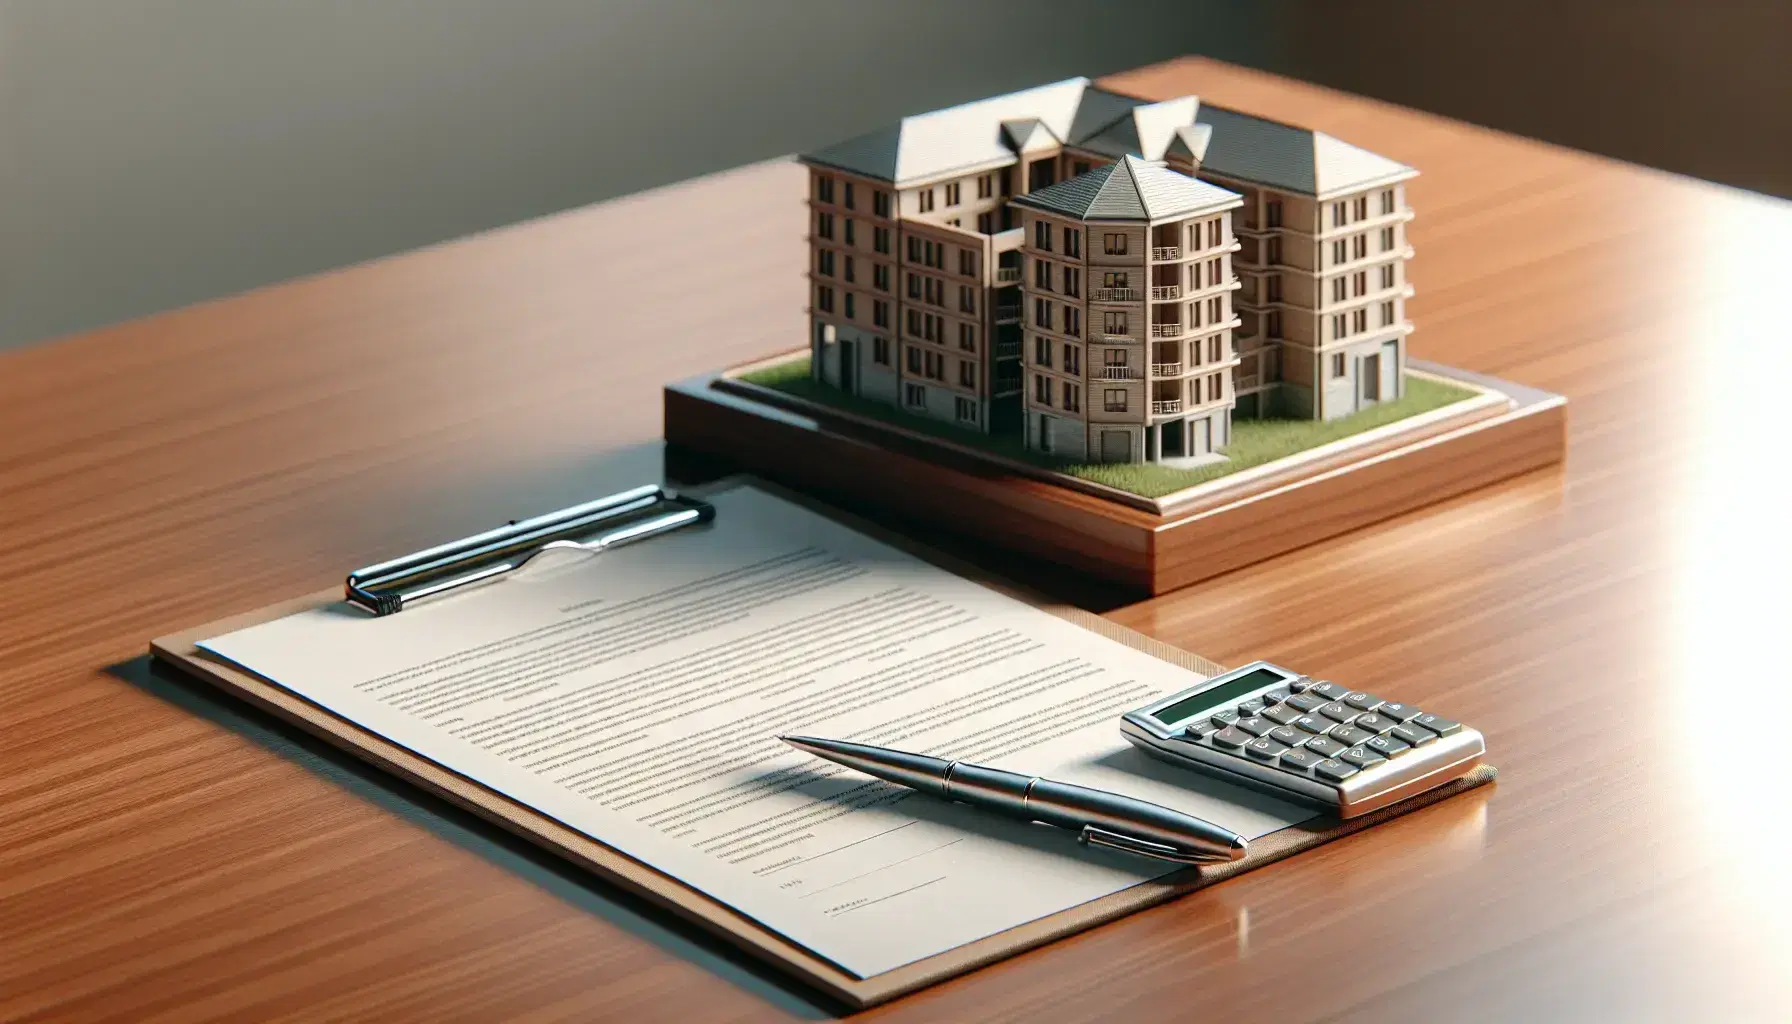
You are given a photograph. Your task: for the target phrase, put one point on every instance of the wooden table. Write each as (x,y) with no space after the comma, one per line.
(1612,626)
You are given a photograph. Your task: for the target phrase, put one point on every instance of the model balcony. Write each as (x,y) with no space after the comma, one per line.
(1007,275)
(1111,372)
(1168,330)
(1007,350)
(1166,369)
(1108,336)
(1114,295)
(1168,408)
(1166,252)
(1162,292)
(1008,314)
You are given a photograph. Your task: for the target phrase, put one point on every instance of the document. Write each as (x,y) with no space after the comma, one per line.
(637,697)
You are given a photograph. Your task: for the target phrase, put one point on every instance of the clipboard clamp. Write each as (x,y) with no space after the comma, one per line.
(622,518)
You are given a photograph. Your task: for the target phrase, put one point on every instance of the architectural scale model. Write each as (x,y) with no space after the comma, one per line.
(1108,278)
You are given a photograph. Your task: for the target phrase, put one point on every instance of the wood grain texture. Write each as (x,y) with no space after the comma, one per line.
(1608,625)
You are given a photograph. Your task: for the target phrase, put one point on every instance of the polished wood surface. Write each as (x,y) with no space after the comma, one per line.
(1614,627)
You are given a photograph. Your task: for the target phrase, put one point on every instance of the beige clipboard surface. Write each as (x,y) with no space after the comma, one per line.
(181,651)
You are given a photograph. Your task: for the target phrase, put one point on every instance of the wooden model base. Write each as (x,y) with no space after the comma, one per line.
(1158,547)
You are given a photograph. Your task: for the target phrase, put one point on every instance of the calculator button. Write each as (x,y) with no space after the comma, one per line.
(1304,701)
(1230,738)
(1441,726)
(1292,737)
(1314,724)
(1224,718)
(1330,691)
(1202,728)
(1325,746)
(1332,770)
(1250,707)
(1281,714)
(1398,712)
(1350,735)
(1297,685)
(1255,726)
(1338,712)
(1377,724)
(1277,695)
(1299,760)
(1388,746)
(1413,734)
(1359,699)
(1362,757)
(1265,749)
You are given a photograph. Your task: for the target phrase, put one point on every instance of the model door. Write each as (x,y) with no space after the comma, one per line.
(1370,376)
(849,366)
(1116,446)
(1390,369)
(1203,437)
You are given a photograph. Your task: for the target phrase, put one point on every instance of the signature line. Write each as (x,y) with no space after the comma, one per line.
(880,899)
(892,864)
(837,849)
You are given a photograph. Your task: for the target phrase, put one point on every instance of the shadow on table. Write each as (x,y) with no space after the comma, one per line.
(472,833)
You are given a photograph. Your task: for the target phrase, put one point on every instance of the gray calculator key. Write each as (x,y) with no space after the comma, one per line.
(1375,723)
(1230,738)
(1414,735)
(1305,701)
(1441,726)
(1277,695)
(1339,712)
(1388,746)
(1281,714)
(1325,746)
(1255,726)
(1398,712)
(1350,735)
(1225,718)
(1250,707)
(1300,760)
(1265,749)
(1330,691)
(1362,757)
(1362,700)
(1314,724)
(1204,727)
(1297,685)
(1291,736)
(1332,770)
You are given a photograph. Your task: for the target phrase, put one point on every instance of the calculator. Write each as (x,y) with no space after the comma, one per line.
(1310,740)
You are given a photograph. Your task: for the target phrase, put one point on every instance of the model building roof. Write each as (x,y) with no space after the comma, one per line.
(1132,189)
(997,131)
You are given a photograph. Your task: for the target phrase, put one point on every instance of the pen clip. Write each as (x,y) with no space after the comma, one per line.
(1093,836)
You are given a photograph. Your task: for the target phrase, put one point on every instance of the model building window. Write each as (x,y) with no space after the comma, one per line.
(924,199)
(1338,288)
(914,360)
(824,297)
(1194,353)
(1042,389)
(1042,236)
(914,286)
(824,262)
(966,409)
(986,186)
(847,232)
(1113,322)
(914,323)
(1073,321)
(880,277)
(914,396)
(1112,357)
(1113,245)
(1359,246)
(1042,352)
(880,351)
(848,186)
(1073,398)
(967,263)
(1216,387)
(849,275)
(1214,269)
(1073,360)
(1073,281)
(1387,201)
(930,253)
(1338,253)
(1113,399)
(1194,314)
(935,328)
(850,309)
(1114,279)
(1338,326)
(1359,282)
(936,365)
(880,240)
(967,374)
(1387,275)
(1359,321)
(1213,349)
(824,188)
(1338,219)
(1387,314)
(880,202)
(1214,232)
(1387,239)
(967,302)
(1073,243)
(967,337)
(914,249)
(1272,213)
(880,315)
(824,225)
(1042,313)
(1338,364)
(1042,275)
(952,194)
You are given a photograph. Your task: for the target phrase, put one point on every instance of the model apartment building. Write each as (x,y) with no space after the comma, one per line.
(1203,243)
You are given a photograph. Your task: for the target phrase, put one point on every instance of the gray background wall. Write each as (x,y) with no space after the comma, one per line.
(155,153)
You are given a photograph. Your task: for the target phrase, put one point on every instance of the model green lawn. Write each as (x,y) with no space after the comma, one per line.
(1254,442)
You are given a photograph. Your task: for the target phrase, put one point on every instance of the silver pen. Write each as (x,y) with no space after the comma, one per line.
(1098,817)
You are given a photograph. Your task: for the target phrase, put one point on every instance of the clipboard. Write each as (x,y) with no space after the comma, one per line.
(181,652)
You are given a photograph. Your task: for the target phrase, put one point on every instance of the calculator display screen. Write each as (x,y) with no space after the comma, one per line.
(1218,696)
